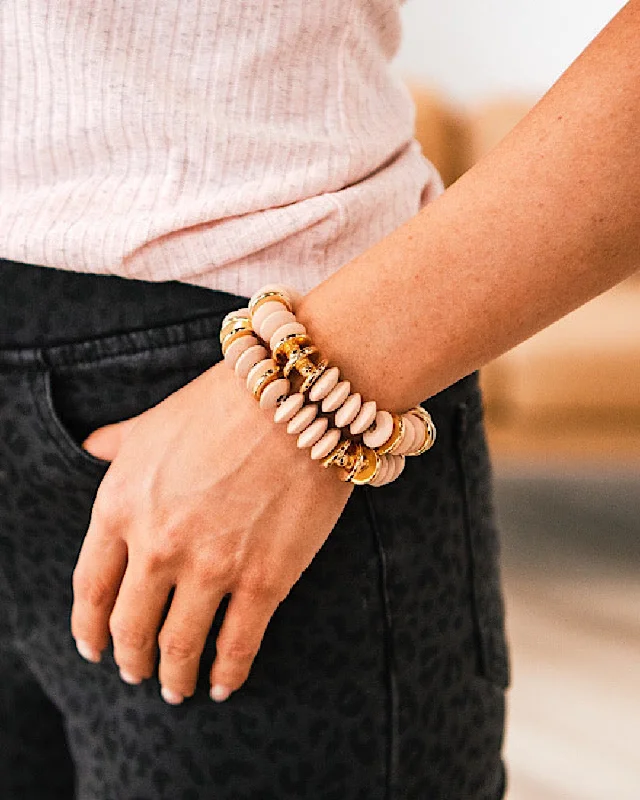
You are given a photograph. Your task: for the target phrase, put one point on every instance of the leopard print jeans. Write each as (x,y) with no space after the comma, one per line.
(380,677)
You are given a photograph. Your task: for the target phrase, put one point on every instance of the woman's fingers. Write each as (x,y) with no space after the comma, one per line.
(245,622)
(106,441)
(96,580)
(183,637)
(136,618)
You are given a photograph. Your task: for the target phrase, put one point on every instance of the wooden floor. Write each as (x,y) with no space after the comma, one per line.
(571,552)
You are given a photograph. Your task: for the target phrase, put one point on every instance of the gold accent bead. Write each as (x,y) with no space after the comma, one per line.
(289,345)
(369,468)
(236,334)
(301,361)
(265,297)
(430,433)
(337,455)
(235,324)
(313,375)
(270,375)
(355,458)
(396,436)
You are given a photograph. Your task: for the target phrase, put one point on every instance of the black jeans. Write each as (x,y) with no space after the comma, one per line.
(382,674)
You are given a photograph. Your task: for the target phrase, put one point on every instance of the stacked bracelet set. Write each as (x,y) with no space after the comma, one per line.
(269,349)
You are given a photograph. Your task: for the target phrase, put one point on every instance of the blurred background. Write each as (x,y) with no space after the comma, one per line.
(563,414)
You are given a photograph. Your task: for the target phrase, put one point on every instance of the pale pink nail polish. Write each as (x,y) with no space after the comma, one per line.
(219,693)
(88,652)
(171,697)
(127,677)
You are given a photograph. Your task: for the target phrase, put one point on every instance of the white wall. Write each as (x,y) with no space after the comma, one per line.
(473,50)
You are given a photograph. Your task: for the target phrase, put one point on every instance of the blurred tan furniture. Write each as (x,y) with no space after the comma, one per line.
(574,389)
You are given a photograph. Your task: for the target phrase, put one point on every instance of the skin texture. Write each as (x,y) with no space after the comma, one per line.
(545,222)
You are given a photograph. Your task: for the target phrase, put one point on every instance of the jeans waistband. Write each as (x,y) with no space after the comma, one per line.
(61,318)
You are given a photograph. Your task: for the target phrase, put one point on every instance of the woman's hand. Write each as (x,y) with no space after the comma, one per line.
(208,495)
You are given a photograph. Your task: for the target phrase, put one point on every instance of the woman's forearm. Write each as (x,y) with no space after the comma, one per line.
(546,221)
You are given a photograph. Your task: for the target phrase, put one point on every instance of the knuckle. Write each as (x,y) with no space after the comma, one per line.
(261,586)
(240,650)
(178,648)
(90,589)
(128,636)
(213,571)
(112,498)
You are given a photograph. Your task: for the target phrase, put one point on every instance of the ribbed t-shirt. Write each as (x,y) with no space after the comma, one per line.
(224,143)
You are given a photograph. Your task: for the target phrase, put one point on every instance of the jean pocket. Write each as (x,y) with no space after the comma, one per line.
(482,542)
(68,445)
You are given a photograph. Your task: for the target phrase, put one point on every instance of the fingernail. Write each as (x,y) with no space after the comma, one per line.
(171,697)
(88,652)
(127,677)
(219,693)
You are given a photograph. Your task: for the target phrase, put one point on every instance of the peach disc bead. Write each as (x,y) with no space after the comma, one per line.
(293,295)
(315,431)
(286,330)
(324,384)
(257,371)
(380,431)
(247,360)
(289,408)
(302,419)
(326,444)
(336,396)
(365,417)
(237,348)
(274,321)
(348,411)
(382,472)
(274,393)
(397,465)
(264,311)
(406,443)
(419,430)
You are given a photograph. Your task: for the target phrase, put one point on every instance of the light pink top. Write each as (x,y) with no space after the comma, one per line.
(225,143)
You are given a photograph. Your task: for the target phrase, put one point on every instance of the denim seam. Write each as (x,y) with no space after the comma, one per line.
(392,686)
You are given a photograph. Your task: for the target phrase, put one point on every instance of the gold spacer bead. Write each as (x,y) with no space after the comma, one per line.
(396,436)
(300,360)
(272,374)
(336,456)
(287,346)
(236,324)
(313,375)
(231,337)
(354,458)
(369,468)
(430,432)
(265,297)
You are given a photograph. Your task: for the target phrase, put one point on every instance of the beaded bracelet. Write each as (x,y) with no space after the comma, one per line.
(266,347)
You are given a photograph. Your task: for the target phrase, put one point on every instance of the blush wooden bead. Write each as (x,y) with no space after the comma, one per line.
(313,432)
(292,295)
(383,472)
(336,396)
(274,393)
(247,360)
(326,444)
(257,371)
(237,348)
(365,417)
(274,321)
(285,330)
(264,311)
(302,419)
(324,384)
(408,439)
(420,432)
(380,431)
(289,408)
(348,411)
(397,465)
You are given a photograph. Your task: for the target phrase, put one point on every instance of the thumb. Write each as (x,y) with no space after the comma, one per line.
(105,442)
